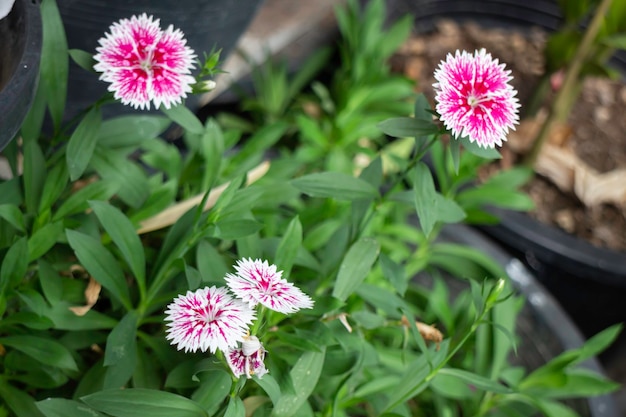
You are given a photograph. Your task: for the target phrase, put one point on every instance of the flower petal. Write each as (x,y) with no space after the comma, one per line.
(145,64)
(207,319)
(474,98)
(258,282)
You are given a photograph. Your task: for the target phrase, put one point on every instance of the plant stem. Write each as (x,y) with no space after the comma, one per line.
(564,99)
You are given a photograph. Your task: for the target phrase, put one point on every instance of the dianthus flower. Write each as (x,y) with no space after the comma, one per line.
(474,98)
(247,360)
(145,64)
(208,319)
(258,282)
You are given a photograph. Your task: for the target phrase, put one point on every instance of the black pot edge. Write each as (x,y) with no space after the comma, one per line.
(540,300)
(26,75)
(551,245)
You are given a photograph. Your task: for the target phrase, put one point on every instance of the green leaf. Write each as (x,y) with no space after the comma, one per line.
(230,229)
(304,376)
(77,202)
(50,282)
(212,149)
(185,118)
(141,402)
(131,131)
(473,148)
(83,59)
(100,264)
(14,265)
(425,198)
(82,143)
(56,181)
(44,350)
(235,408)
(44,239)
(335,185)
(12,214)
(34,175)
(123,234)
(617,41)
(61,407)
(601,341)
(449,386)
(581,383)
(394,273)
(355,266)
(402,127)
(215,385)
(131,179)
(271,387)
(22,404)
(477,381)
(54,64)
(289,246)
(120,356)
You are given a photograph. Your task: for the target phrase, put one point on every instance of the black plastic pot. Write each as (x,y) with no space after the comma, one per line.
(20,50)
(589,281)
(205,23)
(544,328)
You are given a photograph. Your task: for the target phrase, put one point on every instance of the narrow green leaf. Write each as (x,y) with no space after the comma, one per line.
(44,239)
(271,387)
(215,385)
(61,407)
(100,264)
(335,185)
(82,143)
(54,64)
(212,149)
(475,380)
(425,198)
(14,265)
(230,229)
(83,59)
(394,273)
(472,147)
(355,266)
(304,376)
(56,181)
(50,282)
(12,214)
(141,402)
(235,408)
(18,401)
(131,179)
(131,131)
(120,356)
(34,175)
(123,234)
(77,202)
(185,118)
(402,127)
(289,246)
(44,350)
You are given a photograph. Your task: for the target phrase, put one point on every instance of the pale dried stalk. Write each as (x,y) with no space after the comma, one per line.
(170,215)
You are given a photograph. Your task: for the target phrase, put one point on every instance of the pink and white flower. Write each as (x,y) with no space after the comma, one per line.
(258,282)
(474,98)
(208,319)
(144,63)
(247,360)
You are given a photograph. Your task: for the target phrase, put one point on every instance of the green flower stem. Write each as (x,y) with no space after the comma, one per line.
(261,313)
(564,99)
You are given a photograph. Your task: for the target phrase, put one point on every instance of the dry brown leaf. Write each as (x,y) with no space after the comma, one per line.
(92,292)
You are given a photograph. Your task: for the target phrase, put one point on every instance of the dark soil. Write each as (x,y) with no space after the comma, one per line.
(597,122)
